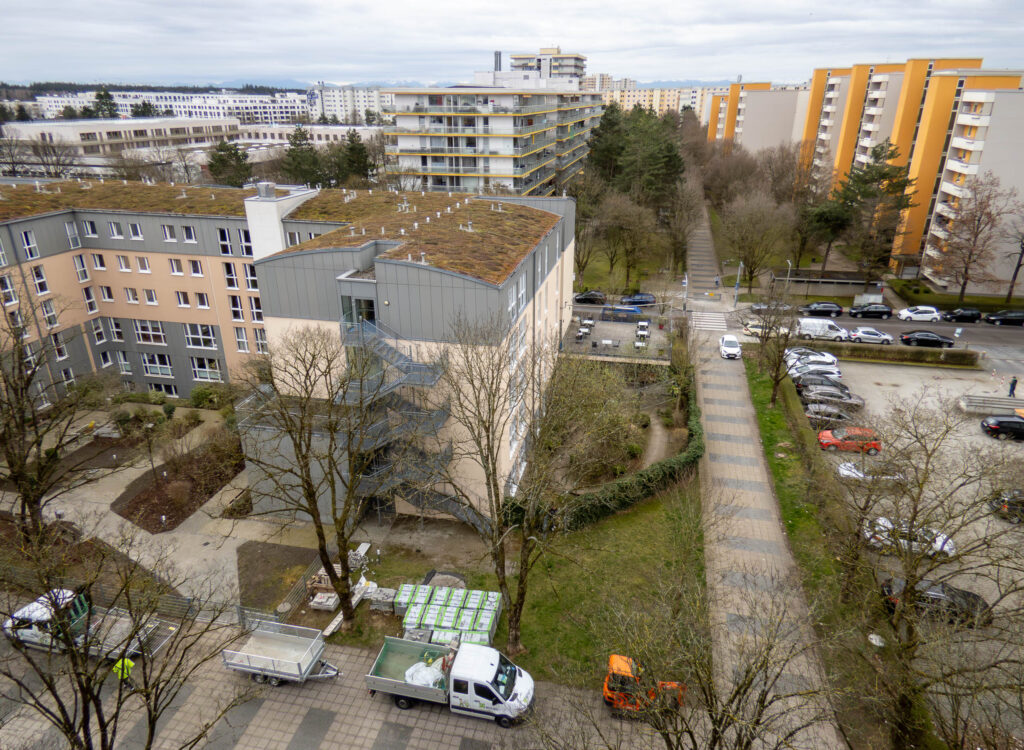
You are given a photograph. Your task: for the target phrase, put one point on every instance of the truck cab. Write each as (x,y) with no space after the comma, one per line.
(37,624)
(484,683)
(624,693)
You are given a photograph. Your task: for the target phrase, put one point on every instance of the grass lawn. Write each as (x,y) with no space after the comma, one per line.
(598,276)
(919,293)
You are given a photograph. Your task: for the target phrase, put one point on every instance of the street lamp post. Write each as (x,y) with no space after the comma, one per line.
(736,289)
(789,272)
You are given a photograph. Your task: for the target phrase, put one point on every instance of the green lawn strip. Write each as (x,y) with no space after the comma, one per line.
(800,299)
(918,293)
(597,275)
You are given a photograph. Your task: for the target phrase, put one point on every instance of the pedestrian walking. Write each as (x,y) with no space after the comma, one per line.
(1013,387)
(123,669)
(717,281)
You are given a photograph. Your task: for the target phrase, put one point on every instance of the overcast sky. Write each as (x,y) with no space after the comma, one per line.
(200,41)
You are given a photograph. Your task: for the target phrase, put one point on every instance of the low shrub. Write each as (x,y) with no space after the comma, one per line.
(915,293)
(900,353)
(169,410)
(633,450)
(642,420)
(666,417)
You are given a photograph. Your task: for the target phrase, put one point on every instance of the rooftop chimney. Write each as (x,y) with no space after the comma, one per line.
(265,189)
(497,61)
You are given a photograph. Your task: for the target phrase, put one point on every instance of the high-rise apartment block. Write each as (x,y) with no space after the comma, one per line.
(246,108)
(349,104)
(550,62)
(604,82)
(777,114)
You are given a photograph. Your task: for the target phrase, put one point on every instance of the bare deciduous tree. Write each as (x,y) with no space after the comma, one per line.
(753,227)
(55,159)
(12,154)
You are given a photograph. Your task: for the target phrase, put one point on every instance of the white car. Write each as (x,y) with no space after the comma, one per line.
(887,535)
(814,358)
(820,369)
(800,352)
(850,470)
(921,312)
(729,347)
(863,335)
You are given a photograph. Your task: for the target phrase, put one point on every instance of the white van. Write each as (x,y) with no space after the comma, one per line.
(821,328)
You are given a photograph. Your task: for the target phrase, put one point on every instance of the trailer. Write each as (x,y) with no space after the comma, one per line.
(471,679)
(275,652)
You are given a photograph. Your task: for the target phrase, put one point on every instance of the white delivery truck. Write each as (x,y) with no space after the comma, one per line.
(472,679)
(821,328)
(60,614)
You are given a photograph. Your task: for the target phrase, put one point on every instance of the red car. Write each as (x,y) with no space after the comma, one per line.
(850,439)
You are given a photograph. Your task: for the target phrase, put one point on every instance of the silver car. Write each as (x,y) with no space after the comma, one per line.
(862,335)
(823,394)
(887,535)
(850,470)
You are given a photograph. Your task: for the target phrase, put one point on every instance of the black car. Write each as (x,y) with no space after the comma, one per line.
(827,309)
(941,601)
(638,299)
(872,310)
(593,297)
(1004,428)
(962,315)
(826,416)
(1008,503)
(1006,318)
(812,379)
(925,338)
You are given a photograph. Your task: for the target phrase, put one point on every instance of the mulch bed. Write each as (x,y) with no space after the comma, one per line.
(267,572)
(98,453)
(163,505)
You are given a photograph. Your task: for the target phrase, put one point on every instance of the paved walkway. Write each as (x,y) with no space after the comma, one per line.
(750,568)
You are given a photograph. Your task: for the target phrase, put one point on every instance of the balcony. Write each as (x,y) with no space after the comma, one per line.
(876,94)
(873,111)
(824,136)
(866,142)
(961,167)
(939,232)
(871,127)
(826,123)
(968,144)
(945,209)
(480,109)
(978,97)
(828,108)
(951,189)
(862,158)
(970,120)
(435,129)
(880,78)
(530,183)
(501,170)
(482,150)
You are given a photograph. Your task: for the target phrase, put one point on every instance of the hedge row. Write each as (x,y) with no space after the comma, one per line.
(898,353)
(919,293)
(633,488)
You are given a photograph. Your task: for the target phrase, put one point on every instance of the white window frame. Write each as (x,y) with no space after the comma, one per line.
(224,241)
(99,263)
(200,336)
(245,242)
(123,363)
(105,360)
(124,264)
(114,230)
(252,283)
(150,296)
(116,331)
(91,305)
(193,265)
(169,234)
(49,313)
(241,340)
(261,340)
(106,294)
(135,231)
(176,268)
(74,241)
(294,238)
(28,244)
(60,348)
(182,298)
(202,300)
(98,334)
(8,294)
(81,271)
(188,233)
(237,310)
(150,332)
(3,254)
(230,277)
(256,309)
(89,228)
(39,280)
(143,263)
(206,369)
(168,389)
(67,376)
(131,294)
(157,365)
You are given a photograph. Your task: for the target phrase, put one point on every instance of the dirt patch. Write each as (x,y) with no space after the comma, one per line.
(267,572)
(162,500)
(447,544)
(98,453)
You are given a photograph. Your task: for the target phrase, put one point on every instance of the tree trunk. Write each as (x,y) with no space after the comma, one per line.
(1013,279)
(824,260)
(515,608)
(963,288)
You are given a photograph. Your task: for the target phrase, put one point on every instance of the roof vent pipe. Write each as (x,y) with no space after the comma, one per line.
(469,226)
(423,258)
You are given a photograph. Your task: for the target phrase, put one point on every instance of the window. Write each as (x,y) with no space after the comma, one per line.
(460,686)
(261,340)
(114,228)
(143,264)
(182,299)
(28,244)
(293,239)
(150,296)
(200,336)
(98,334)
(68,376)
(3,254)
(132,295)
(202,301)
(522,292)
(73,240)
(251,282)
(157,365)
(176,268)
(149,332)
(256,308)
(91,307)
(236,307)
(18,323)
(205,368)
(7,293)
(49,313)
(98,263)
(89,227)
(39,279)
(169,235)
(106,294)
(195,267)
(229,276)
(245,242)
(31,356)
(135,231)
(105,360)
(241,340)
(188,233)
(123,364)
(224,240)
(80,270)
(313,235)
(60,350)
(165,388)
(483,692)
(123,263)
(116,332)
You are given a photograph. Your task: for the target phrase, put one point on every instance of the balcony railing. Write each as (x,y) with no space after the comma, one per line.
(519,130)
(963,167)
(503,170)
(970,144)
(481,150)
(468,109)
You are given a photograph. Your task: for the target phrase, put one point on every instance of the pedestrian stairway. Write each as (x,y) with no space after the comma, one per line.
(708,321)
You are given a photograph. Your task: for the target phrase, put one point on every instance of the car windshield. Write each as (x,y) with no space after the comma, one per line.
(504,678)
(839,433)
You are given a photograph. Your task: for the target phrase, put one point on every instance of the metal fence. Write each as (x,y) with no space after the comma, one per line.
(297,595)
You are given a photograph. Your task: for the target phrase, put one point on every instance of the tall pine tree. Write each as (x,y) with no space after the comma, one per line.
(301,161)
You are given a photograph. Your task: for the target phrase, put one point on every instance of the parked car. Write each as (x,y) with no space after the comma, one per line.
(729,347)
(754,328)
(871,310)
(811,379)
(822,394)
(850,439)
(887,535)
(962,315)
(812,328)
(1004,427)
(820,369)
(639,299)
(812,358)
(1006,318)
(825,309)
(759,308)
(940,600)
(826,416)
(1008,503)
(593,297)
(921,312)
(850,471)
(926,338)
(800,351)
(862,335)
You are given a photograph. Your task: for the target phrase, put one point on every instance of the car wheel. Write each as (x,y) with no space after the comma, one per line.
(1002,436)
(404,703)
(886,342)
(872,451)
(831,447)
(833,315)
(857,315)
(838,339)
(806,337)
(935,320)
(948,346)
(886,316)
(998,322)
(504,722)
(856,340)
